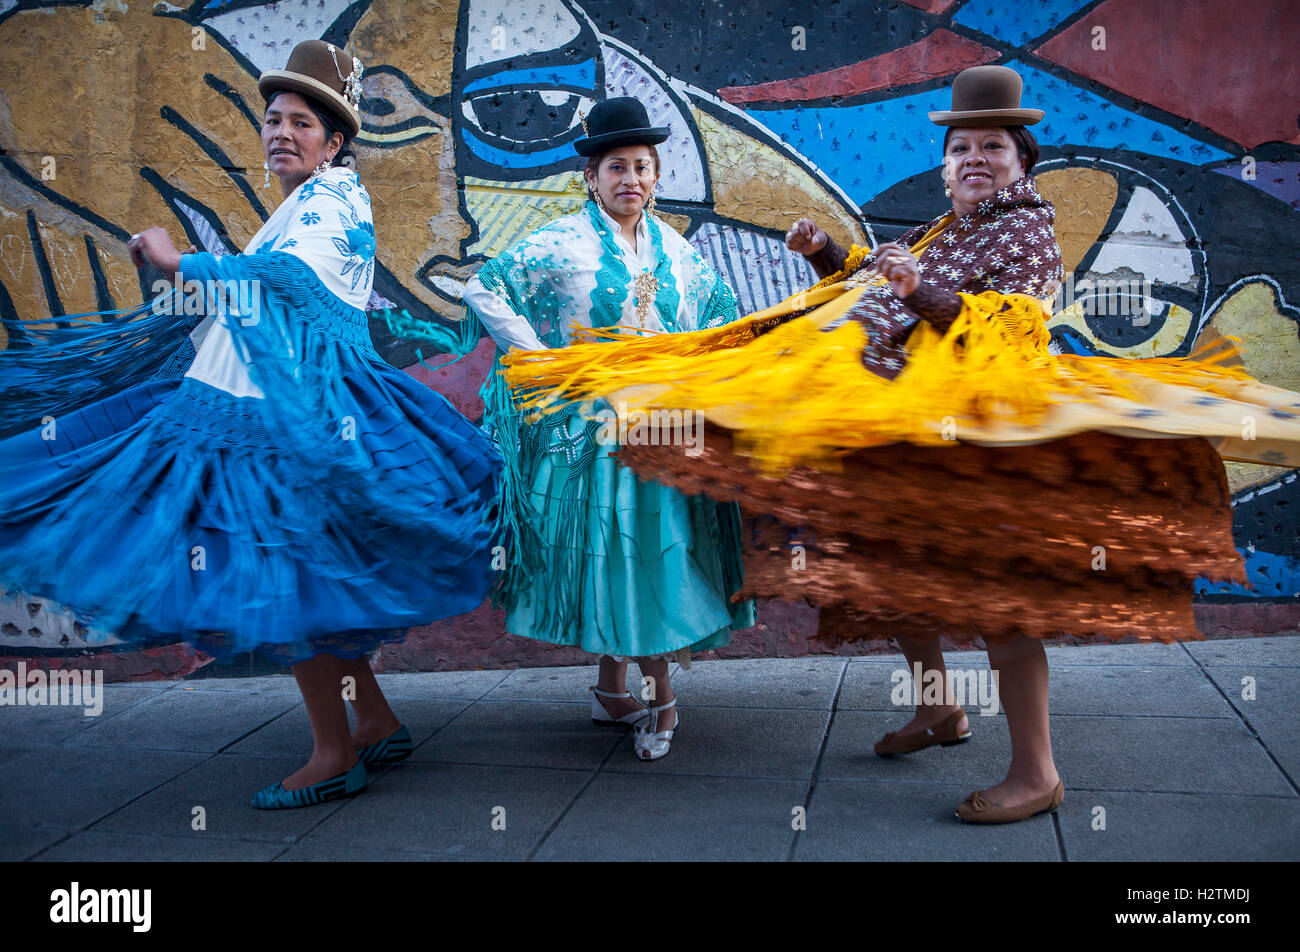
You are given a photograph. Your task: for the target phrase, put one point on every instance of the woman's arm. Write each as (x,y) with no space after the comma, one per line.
(935,305)
(509,329)
(816,246)
(932,304)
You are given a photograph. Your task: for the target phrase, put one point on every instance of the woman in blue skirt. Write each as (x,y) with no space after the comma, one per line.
(292,493)
(619,567)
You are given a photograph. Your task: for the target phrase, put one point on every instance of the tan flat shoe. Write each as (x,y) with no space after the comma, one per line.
(945,735)
(976,809)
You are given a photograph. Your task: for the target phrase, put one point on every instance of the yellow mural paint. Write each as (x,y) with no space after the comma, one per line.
(754,183)
(505,212)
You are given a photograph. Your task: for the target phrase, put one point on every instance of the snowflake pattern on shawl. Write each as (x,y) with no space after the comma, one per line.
(1005,244)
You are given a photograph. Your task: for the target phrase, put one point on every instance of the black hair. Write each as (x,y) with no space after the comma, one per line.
(332,124)
(1026,145)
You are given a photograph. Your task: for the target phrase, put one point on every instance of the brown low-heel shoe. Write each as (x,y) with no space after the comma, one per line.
(976,809)
(945,735)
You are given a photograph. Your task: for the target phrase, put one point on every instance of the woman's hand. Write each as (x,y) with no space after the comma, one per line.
(805,237)
(898,265)
(154,246)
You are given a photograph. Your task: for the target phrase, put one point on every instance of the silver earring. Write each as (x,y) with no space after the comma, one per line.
(267,166)
(323,167)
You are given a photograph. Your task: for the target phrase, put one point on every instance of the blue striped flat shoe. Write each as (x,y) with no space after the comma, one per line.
(349,784)
(392,749)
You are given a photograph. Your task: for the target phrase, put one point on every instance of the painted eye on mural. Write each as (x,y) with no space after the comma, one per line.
(517,121)
(1134,264)
(394,111)
(522,121)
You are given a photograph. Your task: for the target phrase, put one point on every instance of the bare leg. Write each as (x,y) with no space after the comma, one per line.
(320,679)
(928,654)
(613,678)
(657,669)
(1021,664)
(375,719)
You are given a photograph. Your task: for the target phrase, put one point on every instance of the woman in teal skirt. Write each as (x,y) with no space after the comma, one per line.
(621,568)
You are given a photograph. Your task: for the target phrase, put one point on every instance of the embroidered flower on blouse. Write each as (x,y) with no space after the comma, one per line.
(309,218)
(358,246)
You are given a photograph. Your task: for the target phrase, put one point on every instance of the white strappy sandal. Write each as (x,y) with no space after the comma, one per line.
(652,744)
(601,716)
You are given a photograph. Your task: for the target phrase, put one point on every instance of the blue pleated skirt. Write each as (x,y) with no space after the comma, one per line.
(174,511)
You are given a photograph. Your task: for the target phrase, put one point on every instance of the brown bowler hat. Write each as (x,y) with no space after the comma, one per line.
(987,96)
(324,73)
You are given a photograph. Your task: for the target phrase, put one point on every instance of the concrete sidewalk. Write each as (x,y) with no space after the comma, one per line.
(1159,737)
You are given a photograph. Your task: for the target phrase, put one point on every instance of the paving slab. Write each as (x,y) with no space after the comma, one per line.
(1164,827)
(521,733)
(980,762)
(96,847)
(734,742)
(1143,690)
(666,818)
(22,842)
(549,684)
(1276,690)
(1174,754)
(264,684)
(448,809)
(861,821)
(69,788)
(1108,654)
(1281,738)
(290,734)
(332,853)
(223,787)
(199,721)
(794,683)
(440,684)
(49,724)
(1274,652)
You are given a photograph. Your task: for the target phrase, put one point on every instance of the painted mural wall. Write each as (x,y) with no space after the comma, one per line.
(1171,149)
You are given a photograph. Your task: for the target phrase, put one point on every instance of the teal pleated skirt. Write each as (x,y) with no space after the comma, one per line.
(621,566)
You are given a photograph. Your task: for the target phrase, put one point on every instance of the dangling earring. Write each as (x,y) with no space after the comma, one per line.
(599,201)
(323,167)
(267,166)
(946,190)
(650,205)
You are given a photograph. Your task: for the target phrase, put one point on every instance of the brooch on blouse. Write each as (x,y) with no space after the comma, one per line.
(646,287)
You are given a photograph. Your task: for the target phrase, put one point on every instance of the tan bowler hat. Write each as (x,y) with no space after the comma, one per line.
(987,96)
(324,73)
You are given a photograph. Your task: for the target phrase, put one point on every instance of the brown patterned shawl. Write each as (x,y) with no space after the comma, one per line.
(1005,244)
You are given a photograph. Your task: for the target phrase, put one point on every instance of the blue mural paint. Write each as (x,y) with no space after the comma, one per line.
(576,76)
(1273,575)
(868,147)
(512,160)
(1016,23)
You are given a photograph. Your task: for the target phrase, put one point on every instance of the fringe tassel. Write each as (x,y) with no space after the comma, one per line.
(796,394)
(50,371)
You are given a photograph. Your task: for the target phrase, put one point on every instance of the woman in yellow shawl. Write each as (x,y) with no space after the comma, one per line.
(953,477)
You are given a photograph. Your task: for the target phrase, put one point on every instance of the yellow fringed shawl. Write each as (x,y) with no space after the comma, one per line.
(796,394)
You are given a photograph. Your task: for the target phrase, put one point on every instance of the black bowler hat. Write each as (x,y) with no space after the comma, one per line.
(615,122)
